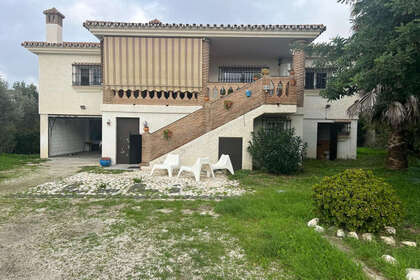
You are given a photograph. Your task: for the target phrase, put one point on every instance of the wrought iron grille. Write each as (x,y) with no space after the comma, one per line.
(238,74)
(274,123)
(87,75)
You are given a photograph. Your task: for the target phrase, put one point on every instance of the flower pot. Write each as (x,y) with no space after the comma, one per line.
(206,98)
(228,104)
(248,93)
(265,71)
(146,129)
(105,161)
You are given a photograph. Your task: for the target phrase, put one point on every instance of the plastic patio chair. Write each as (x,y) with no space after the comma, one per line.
(170,163)
(195,169)
(223,163)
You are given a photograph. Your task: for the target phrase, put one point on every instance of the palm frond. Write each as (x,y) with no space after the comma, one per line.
(395,114)
(365,104)
(412,108)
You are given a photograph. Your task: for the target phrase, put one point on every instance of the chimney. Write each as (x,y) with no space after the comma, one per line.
(54,25)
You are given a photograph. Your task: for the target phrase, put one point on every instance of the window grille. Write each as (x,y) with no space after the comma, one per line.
(87,75)
(315,78)
(274,123)
(238,74)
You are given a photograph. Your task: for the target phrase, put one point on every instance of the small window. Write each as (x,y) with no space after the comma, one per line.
(238,74)
(309,80)
(315,78)
(274,123)
(321,80)
(87,75)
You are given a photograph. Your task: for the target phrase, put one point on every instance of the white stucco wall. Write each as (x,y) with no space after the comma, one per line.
(207,145)
(56,93)
(315,112)
(157,116)
(68,136)
(275,69)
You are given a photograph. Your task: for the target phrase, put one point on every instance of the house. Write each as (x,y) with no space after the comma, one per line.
(192,85)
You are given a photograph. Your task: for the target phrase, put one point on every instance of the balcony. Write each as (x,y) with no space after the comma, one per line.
(277,90)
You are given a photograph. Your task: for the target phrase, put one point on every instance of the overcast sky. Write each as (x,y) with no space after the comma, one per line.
(23,21)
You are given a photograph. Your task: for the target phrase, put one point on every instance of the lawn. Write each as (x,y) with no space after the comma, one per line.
(10,164)
(260,235)
(12,161)
(271,223)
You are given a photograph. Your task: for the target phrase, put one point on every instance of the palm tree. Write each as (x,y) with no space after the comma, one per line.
(397,115)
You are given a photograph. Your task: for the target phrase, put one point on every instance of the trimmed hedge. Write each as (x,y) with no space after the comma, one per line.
(357,200)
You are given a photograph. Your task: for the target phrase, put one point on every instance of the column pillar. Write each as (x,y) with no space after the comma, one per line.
(43,133)
(205,66)
(299,69)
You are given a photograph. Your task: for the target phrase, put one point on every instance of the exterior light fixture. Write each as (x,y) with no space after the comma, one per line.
(83,107)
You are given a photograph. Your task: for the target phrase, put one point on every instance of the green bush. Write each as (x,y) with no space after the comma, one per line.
(356,200)
(277,151)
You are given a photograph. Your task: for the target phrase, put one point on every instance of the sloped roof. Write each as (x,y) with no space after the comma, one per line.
(203,27)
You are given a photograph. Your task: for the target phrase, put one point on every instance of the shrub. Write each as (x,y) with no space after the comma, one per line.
(276,150)
(357,201)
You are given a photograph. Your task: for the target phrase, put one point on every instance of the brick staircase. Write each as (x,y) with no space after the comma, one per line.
(212,115)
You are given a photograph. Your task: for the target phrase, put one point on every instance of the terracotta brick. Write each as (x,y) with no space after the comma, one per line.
(299,68)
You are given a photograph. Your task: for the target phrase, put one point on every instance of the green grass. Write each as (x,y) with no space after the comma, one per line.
(12,161)
(11,164)
(271,223)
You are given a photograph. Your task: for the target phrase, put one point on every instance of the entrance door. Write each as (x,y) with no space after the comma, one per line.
(326,141)
(125,128)
(232,146)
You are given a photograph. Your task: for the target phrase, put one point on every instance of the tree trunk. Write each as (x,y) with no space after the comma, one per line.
(397,150)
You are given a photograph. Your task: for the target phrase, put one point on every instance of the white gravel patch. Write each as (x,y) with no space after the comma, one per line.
(140,183)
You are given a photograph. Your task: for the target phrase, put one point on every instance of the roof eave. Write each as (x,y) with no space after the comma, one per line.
(308,35)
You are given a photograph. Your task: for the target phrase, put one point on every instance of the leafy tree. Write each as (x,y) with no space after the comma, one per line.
(8,117)
(19,118)
(380,61)
(26,100)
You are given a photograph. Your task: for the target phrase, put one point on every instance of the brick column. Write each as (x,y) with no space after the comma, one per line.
(299,68)
(205,68)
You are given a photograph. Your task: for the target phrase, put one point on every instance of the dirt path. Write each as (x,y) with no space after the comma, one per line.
(51,170)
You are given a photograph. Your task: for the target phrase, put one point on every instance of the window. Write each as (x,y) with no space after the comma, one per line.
(309,80)
(240,74)
(343,129)
(87,75)
(321,80)
(315,79)
(272,123)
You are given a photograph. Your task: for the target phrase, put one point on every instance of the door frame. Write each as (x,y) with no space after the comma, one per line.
(116,136)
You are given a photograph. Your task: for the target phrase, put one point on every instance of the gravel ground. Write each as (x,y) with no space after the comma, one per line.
(140,183)
(77,239)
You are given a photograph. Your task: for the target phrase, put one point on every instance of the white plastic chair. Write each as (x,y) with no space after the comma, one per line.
(195,169)
(170,163)
(223,163)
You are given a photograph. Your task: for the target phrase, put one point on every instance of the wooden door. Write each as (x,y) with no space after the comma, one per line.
(232,146)
(125,128)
